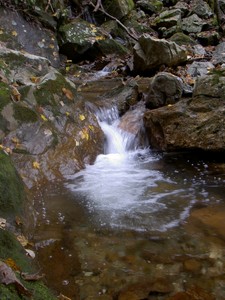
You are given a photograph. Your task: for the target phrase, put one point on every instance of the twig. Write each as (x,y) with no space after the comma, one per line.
(99,6)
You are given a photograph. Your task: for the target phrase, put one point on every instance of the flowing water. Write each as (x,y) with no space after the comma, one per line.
(133,216)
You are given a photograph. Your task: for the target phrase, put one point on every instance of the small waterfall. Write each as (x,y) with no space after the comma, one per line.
(124,188)
(116,139)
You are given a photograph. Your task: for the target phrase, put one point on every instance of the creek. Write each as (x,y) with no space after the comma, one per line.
(133,216)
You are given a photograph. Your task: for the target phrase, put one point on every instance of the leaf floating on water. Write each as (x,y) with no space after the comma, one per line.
(81,117)
(7,276)
(68,93)
(36,165)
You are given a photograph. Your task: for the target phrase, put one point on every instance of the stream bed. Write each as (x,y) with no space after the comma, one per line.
(134,225)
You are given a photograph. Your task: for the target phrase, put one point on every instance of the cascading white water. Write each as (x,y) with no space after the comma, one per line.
(124,187)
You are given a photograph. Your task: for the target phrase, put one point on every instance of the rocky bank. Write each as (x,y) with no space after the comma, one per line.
(61,60)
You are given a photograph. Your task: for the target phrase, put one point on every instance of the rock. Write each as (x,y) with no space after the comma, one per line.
(164,89)
(202,9)
(200,119)
(193,293)
(142,290)
(192,24)
(20,34)
(169,18)
(218,56)
(149,6)
(182,39)
(117,8)
(201,68)
(12,193)
(151,53)
(207,38)
(77,37)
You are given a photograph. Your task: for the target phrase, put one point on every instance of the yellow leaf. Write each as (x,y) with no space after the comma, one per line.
(23,241)
(44,118)
(14,33)
(84,134)
(11,263)
(67,68)
(91,127)
(36,165)
(67,113)
(1,31)
(35,79)
(1,146)
(81,117)
(99,38)
(51,46)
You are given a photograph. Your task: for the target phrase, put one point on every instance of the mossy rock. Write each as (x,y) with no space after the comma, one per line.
(52,90)
(4,95)
(11,248)
(12,192)
(24,114)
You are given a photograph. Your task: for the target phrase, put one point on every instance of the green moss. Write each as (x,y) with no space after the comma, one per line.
(24,114)
(11,186)
(50,92)
(4,95)
(11,248)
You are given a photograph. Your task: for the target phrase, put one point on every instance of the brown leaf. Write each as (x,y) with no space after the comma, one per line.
(15,94)
(68,93)
(31,277)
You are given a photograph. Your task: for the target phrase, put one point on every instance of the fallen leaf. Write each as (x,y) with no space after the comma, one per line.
(15,94)
(11,263)
(1,31)
(36,165)
(23,241)
(7,276)
(18,221)
(35,79)
(14,33)
(31,277)
(2,223)
(44,118)
(68,93)
(91,127)
(62,297)
(30,253)
(81,117)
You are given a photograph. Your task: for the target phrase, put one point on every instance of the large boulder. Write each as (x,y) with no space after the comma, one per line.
(41,117)
(165,88)
(17,33)
(150,53)
(118,8)
(80,40)
(196,123)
